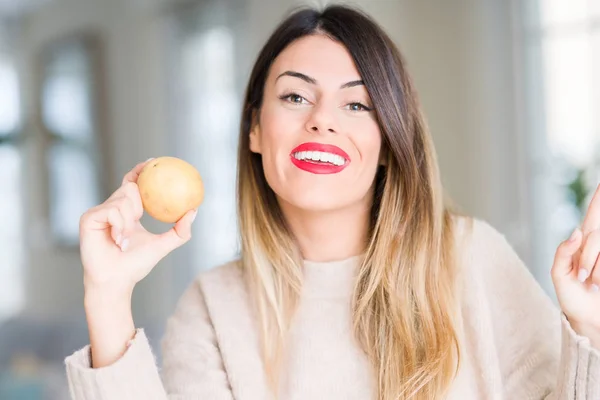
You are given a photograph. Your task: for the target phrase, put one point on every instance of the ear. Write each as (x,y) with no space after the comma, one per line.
(255,146)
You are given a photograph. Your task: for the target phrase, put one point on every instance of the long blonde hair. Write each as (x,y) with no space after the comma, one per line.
(404,303)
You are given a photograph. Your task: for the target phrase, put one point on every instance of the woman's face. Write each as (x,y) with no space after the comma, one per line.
(317,132)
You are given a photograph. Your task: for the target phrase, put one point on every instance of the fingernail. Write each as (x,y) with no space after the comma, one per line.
(124,244)
(119,238)
(582,275)
(194,216)
(595,288)
(151,158)
(574,235)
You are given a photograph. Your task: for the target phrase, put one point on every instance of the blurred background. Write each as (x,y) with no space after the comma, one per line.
(89,88)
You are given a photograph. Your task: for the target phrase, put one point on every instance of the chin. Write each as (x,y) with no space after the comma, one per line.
(315,201)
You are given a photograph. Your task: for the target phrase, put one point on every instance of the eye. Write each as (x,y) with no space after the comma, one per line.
(358,107)
(294,98)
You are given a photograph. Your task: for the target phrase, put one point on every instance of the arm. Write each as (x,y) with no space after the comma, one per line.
(192,367)
(541,356)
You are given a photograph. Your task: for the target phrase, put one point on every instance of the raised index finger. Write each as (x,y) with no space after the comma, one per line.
(132,176)
(591,221)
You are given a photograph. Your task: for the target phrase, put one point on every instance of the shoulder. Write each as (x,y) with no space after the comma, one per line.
(484,254)
(491,269)
(221,279)
(210,290)
(224,288)
(477,240)
(225,275)
(471,231)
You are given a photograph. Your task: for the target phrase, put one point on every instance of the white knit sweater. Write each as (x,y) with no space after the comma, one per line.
(510,340)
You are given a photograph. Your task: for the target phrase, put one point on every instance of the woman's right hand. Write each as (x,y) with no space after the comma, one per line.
(116,250)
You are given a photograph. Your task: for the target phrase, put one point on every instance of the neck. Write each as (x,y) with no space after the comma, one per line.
(325,236)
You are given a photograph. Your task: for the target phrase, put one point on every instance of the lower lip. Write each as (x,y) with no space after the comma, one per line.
(317,168)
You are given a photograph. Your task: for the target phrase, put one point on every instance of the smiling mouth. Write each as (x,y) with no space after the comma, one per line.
(320,158)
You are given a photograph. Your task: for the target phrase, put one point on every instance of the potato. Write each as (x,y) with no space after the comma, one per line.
(169,188)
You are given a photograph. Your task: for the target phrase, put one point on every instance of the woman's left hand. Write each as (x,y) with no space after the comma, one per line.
(576,275)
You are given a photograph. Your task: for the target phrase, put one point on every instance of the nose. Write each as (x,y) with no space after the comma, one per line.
(321,121)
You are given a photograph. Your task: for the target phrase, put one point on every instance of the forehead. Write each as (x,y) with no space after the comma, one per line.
(319,57)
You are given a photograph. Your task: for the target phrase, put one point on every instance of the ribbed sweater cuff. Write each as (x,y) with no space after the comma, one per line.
(579,373)
(133,376)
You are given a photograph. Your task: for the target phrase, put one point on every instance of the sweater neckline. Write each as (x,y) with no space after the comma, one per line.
(330,279)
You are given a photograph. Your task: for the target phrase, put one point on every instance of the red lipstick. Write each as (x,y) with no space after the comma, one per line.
(319,158)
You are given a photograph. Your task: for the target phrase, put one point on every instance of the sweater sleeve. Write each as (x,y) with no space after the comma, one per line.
(192,365)
(133,376)
(541,356)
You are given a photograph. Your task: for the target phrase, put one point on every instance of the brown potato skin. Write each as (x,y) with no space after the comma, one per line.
(170,187)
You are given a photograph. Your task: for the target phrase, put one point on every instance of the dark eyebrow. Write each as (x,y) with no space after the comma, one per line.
(313,81)
(295,74)
(352,84)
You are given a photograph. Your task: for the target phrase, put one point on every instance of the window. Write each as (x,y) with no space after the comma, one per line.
(11,201)
(69,116)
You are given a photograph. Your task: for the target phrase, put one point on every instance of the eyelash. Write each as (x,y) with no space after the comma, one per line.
(286,97)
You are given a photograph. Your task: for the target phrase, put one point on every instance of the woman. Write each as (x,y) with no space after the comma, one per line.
(355,281)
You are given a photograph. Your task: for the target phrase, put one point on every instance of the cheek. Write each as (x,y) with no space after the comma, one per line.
(280,129)
(279,135)
(272,126)
(367,140)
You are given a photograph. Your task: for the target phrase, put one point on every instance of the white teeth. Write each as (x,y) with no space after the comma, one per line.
(320,156)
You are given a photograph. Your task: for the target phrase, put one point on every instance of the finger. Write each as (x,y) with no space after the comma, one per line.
(131,191)
(178,235)
(102,217)
(563,260)
(126,208)
(589,256)
(596,276)
(591,221)
(133,175)
(577,256)
(116,235)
